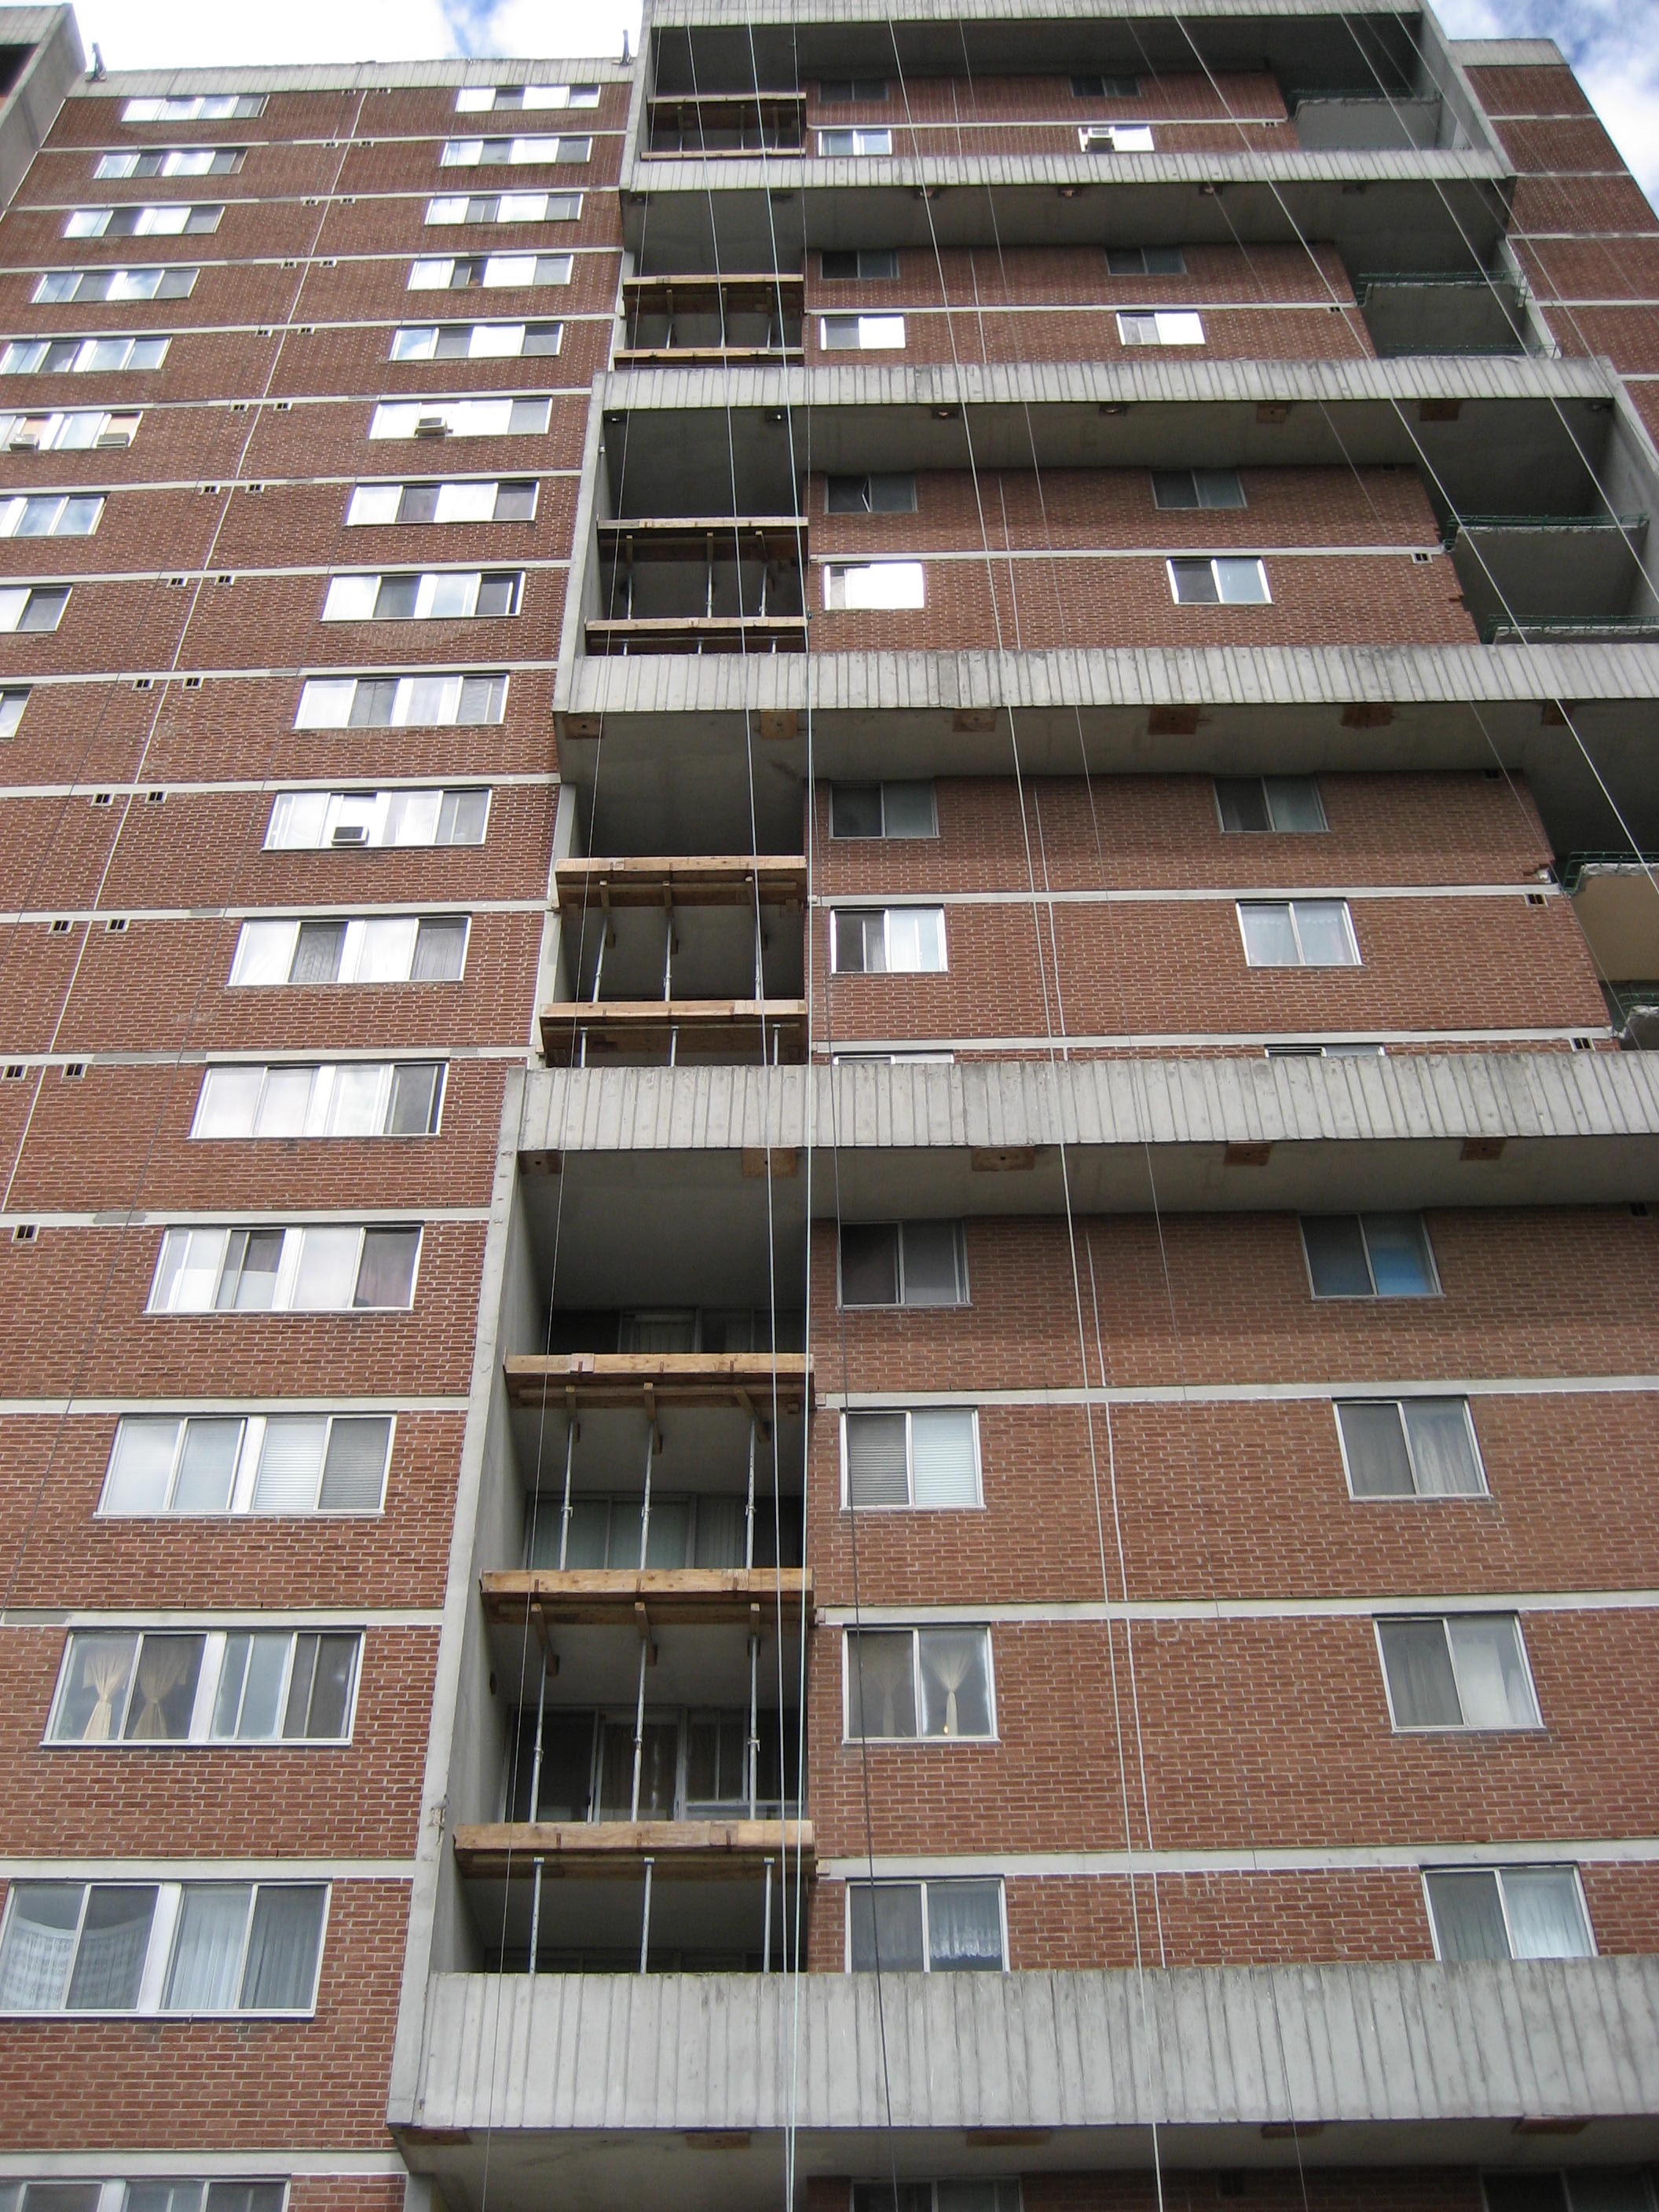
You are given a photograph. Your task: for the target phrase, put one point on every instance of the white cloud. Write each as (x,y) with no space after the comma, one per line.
(1611,45)
(212,34)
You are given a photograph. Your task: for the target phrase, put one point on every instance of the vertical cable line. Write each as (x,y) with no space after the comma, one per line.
(1054,1055)
(187,1027)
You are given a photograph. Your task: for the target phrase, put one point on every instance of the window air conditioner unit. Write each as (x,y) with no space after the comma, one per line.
(120,438)
(351,833)
(431,425)
(24,442)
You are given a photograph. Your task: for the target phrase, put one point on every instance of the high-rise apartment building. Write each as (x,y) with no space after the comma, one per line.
(829,1267)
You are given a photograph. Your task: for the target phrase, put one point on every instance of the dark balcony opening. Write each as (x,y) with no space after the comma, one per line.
(712,318)
(721,124)
(693,1765)
(1440,311)
(696,584)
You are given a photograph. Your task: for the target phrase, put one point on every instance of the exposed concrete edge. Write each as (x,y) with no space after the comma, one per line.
(408,2049)
(30,108)
(359,76)
(1432,166)
(1127,678)
(662,15)
(1395,2046)
(1506,53)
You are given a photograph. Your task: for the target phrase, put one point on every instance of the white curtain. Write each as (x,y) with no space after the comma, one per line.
(1444,1458)
(964,1924)
(883,1683)
(953,1686)
(1546,1918)
(206,1951)
(282,1952)
(942,1449)
(34,1961)
(1491,1678)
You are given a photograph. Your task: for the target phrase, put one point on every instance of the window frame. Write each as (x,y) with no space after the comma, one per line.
(1415,1496)
(900,1304)
(337,797)
(244,1471)
(467,102)
(858,151)
(1301,964)
(915,1631)
(194,107)
(859,275)
(454,155)
(884,836)
(24,499)
(1104,138)
(857,318)
(404,486)
(466,219)
(1436,1289)
(869,478)
(908,906)
(1174,562)
(426,582)
(549,332)
(924,1882)
(909,1409)
(16,426)
(1273,829)
(88,343)
(1199,504)
(1397,1726)
(32,593)
(355,982)
(1534,1866)
(1159,317)
(167,286)
(466,407)
(315,1069)
(355,679)
(205,1697)
(287,1268)
(843,569)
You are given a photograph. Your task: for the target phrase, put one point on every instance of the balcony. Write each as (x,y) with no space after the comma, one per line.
(1534,577)
(698,583)
(1437,311)
(691,321)
(727,123)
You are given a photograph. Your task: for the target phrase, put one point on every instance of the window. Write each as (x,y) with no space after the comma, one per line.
(310,821)
(864,265)
(262,1463)
(491,272)
(13,700)
(498,99)
(59,286)
(167,2195)
(905,1683)
(1507,1912)
(1409,1448)
(875,495)
(1146,261)
(842,143)
(1105,87)
(883,810)
(1578,2189)
(511,501)
(194,1946)
(460,418)
(1197,488)
(380,948)
(1115,138)
(347,1098)
(1297,933)
(61,356)
(851,91)
(891,940)
(475,341)
(925,1927)
(926,1456)
(51,514)
(31,607)
(79,430)
(1287,803)
(1165,326)
(177,220)
(195,107)
(903,1263)
(237,1685)
(1369,1255)
(873,584)
(172,161)
(1223,583)
(380,703)
(1462,1670)
(861,333)
(505,207)
(323,1268)
(438,595)
(514,153)
(1344,1050)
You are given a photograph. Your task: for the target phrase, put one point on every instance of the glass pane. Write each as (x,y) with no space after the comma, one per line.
(1172,488)
(262,1695)
(660,1752)
(109,1961)
(1491,1676)
(1421,1684)
(289,1460)
(882,1693)
(141,1466)
(230,1097)
(1293,801)
(886,1927)
(1322,925)
(1243,807)
(164,1689)
(1609,2189)
(1376,1446)
(1194,583)
(331,1686)
(207,1467)
(869,1264)
(1241,583)
(876,1469)
(915,940)
(1216,487)
(206,1951)
(588,1544)
(94,1689)
(357,1106)
(296,1706)
(1399,1253)
(942,1444)
(1468,1917)
(1546,1920)
(956,1690)
(907,808)
(282,1952)
(327,1271)
(860,941)
(34,1958)
(462,818)
(440,951)
(1537,2192)
(1336,1255)
(965,1926)
(932,1271)
(285,1101)
(1443,1449)
(318,952)
(353,1473)
(1269,941)
(252,1257)
(385,950)
(385,1280)
(856,809)
(232,1674)
(567,1778)
(722,1536)
(414,1100)
(668,1535)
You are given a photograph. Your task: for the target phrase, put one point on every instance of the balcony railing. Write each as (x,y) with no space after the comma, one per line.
(701,584)
(689,319)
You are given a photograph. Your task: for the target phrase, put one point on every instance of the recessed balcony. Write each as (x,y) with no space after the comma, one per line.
(1438,310)
(1533,577)
(687,321)
(701,584)
(727,123)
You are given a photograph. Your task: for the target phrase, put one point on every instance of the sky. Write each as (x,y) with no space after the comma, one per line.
(1613,44)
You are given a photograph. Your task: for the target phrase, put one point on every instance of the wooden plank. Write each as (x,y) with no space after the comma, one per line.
(732,356)
(714,879)
(681,1850)
(589,1597)
(674,1378)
